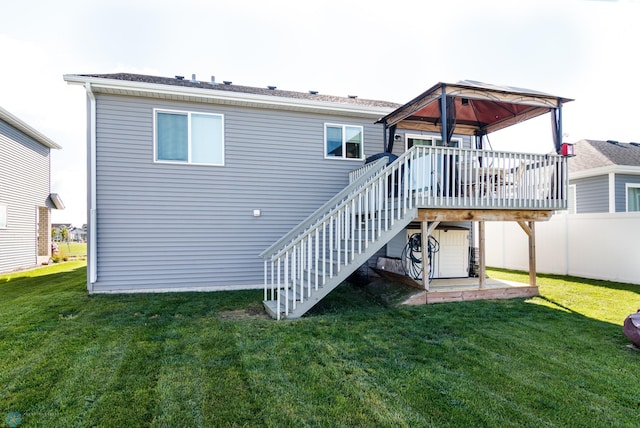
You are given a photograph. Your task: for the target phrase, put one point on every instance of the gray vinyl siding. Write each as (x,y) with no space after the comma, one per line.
(192,226)
(24,186)
(621,190)
(592,194)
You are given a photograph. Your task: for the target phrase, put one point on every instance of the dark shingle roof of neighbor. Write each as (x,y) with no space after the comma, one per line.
(186,82)
(596,154)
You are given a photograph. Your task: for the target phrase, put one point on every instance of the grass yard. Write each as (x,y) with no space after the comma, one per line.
(213,359)
(72,249)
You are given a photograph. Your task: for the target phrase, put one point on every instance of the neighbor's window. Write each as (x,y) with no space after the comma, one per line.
(633,196)
(343,141)
(3,216)
(188,137)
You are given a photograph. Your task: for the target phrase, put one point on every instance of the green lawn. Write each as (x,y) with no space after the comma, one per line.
(72,249)
(213,359)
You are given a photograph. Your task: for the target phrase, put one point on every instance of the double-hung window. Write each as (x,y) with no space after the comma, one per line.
(343,141)
(633,196)
(189,137)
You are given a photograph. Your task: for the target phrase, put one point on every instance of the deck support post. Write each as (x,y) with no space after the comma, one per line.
(482,274)
(426,230)
(530,229)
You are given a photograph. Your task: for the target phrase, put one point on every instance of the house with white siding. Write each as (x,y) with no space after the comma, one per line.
(25,198)
(199,185)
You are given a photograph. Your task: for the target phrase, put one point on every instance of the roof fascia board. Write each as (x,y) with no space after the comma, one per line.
(238,98)
(25,128)
(605,170)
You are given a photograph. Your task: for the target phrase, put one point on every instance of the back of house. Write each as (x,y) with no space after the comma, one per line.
(189,181)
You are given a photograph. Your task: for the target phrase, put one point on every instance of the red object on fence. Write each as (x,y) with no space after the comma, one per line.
(568,149)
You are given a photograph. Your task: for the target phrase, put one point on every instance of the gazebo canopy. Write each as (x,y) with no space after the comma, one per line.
(473,108)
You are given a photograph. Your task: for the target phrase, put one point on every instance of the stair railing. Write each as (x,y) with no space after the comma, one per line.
(331,238)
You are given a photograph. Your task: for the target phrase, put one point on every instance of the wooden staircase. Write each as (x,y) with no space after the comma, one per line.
(320,253)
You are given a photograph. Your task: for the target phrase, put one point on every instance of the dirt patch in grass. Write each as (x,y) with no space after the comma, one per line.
(391,293)
(253,312)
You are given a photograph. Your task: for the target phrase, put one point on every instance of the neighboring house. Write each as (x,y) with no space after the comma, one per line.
(77,234)
(25,198)
(198,186)
(604,177)
(56,231)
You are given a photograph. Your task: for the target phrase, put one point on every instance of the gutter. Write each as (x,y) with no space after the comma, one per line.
(92,272)
(603,170)
(27,129)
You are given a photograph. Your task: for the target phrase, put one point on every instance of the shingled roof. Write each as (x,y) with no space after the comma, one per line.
(228,86)
(596,154)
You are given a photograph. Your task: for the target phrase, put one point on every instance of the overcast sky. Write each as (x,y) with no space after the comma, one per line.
(387,50)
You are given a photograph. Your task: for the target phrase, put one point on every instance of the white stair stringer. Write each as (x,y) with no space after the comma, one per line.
(339,277)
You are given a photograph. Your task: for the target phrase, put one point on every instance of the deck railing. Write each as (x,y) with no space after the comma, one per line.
(381,199)
(443,177)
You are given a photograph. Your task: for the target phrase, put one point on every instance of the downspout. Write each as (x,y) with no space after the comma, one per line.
(92,273)
(612,192)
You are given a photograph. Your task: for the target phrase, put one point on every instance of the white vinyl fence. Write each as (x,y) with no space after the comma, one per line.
(598,246)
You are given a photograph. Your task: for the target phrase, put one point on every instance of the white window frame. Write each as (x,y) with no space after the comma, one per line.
(626,194)
(188,113)
(4,216)
(433,139)
(344,141)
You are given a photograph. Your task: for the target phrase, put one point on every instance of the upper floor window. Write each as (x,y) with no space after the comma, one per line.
(343,141)
(189,137)
(633,196)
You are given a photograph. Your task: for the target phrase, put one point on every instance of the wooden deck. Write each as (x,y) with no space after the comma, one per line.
(462,289)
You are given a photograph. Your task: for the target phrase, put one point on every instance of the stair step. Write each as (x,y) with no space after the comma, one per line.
(362,251)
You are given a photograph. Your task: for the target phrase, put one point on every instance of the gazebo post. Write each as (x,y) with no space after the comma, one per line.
(481,249)
(426,230)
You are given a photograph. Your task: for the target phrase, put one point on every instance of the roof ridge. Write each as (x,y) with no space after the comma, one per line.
(229,86)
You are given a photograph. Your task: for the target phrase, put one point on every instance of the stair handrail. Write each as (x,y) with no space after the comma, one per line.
(348,196)
(374,169)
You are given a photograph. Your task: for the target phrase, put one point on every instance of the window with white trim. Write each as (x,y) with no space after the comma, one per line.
(428,140)
(633,196)
(343,141)
(189,137)
(3,216)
